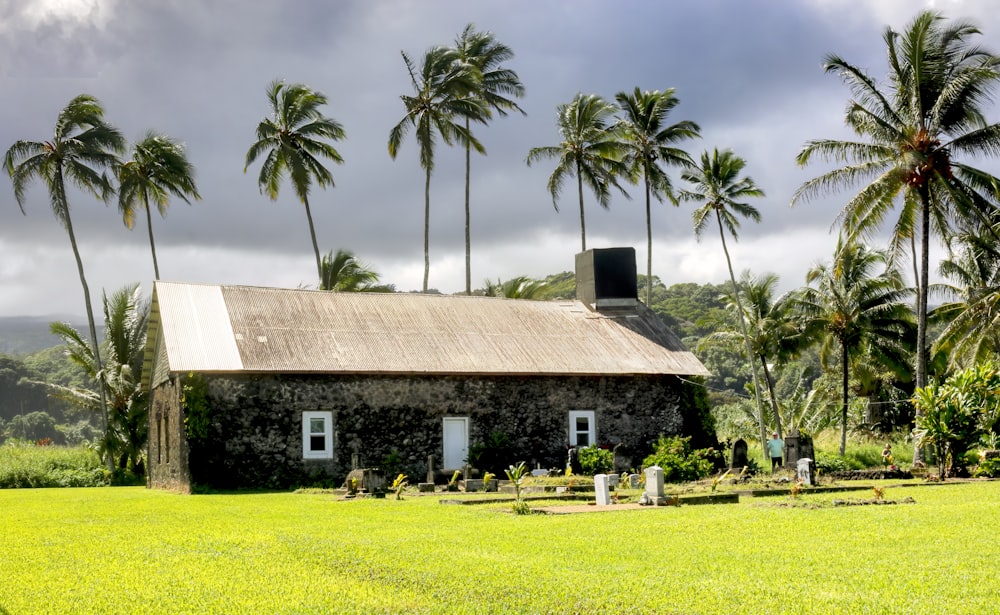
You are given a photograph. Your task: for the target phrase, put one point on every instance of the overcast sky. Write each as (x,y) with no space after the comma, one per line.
(749,72)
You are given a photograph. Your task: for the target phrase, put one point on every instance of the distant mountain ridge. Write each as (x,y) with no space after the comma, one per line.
(24,335)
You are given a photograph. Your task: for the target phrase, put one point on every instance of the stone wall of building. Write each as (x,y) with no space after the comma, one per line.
(168,448)
(254,434)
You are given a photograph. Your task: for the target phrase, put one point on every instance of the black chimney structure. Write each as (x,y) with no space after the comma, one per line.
(606,279)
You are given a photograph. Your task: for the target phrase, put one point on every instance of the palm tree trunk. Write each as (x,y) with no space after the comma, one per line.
(925,233)
(149,226)
(774,401)
(95,346)
(649,244)
(427,228)
(746,339)
(583,223)
(843,408)
(312,235)
(468,241)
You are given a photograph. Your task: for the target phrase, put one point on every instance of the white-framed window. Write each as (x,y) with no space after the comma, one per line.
(317,435)
(582,428)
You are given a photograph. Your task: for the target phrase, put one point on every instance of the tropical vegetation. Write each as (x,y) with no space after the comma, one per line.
(913,129)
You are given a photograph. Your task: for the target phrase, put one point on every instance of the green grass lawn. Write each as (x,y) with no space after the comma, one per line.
(131,550)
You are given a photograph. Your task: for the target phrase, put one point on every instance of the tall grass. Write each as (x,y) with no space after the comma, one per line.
(129,550)
(22,464)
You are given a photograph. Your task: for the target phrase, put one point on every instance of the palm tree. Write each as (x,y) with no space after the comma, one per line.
(519,287)
(495,88)
(293,138)
(772,326)
(591,151)
(443,93)
(342,272)
(158,168)
(716,183)
(126,315)
(857,311)
(971,321)
(81,148)
(650,145)
(910,130)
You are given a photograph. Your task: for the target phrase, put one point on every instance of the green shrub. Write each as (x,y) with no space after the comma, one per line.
(827,463)
(25,465)
(595,460)
(988,468)
(679,462)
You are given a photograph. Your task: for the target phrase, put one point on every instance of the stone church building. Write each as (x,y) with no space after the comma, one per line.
(270,388)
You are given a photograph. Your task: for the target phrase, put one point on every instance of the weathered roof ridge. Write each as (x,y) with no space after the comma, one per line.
(260,329)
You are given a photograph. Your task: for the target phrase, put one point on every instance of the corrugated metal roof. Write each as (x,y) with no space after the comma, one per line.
(240,328)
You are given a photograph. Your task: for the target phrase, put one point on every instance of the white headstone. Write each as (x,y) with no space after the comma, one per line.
(613,480)
(601,489)
(803,468)
(633,481)
(654,481)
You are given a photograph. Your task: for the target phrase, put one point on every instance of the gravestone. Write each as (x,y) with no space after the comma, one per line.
(633,481)
(601,490)
(797,446)
(805,469)
(355,461)
(613,480)
(739,458)
(430,469)
(654,486)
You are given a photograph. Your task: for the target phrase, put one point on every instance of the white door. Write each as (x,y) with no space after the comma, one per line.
(456,442)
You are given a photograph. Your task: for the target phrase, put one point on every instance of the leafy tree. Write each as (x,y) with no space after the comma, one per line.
(81,148)
(496,89)
(158,168)
(855,310)
(650,144)
(716,183)
(33,426)
(911,129)
(19,394)
(126,315)
(591,150)
(344,273)
(294,140)
(444,90)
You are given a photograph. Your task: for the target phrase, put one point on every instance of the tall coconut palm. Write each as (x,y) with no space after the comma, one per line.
(442,99)
(126,315)
(342,272)
(82,147)
(772,327)
(716,183)
(650,145)
(293,138)
(497,89)
(158,168)
(911,128)
(855,309)
(591,150)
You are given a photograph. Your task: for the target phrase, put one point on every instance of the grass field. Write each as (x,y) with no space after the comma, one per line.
(130,550)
